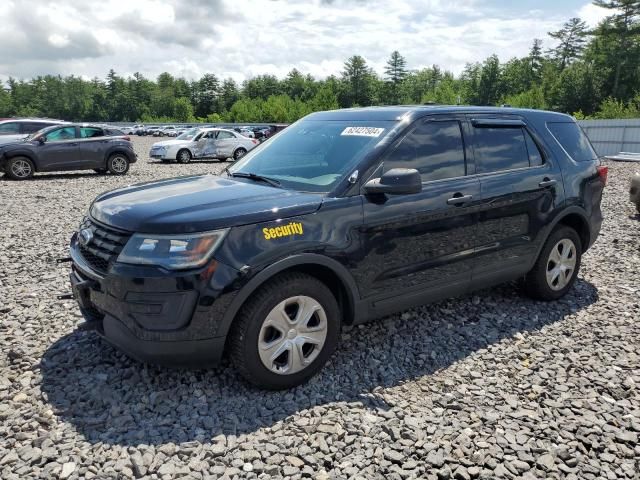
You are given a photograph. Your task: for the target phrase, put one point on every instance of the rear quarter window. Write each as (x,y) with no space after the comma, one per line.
(573,140)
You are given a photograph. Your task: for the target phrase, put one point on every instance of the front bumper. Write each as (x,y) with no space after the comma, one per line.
(156,316)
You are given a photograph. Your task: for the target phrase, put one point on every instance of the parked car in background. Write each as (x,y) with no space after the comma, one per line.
(68,147)
(15,129)
(634,191)
(245,131)
(214,143)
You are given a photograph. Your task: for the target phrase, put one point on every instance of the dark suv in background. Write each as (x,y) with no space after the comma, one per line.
(348,215)
(68,147)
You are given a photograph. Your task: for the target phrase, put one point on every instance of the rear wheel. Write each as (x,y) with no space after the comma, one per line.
(20,168)
(286,332)
(184,156)
(556,269)
(239,153)
(118,164)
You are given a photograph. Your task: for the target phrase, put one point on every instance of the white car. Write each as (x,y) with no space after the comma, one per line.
(217,143)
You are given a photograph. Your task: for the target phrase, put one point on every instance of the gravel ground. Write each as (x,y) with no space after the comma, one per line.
(492,385)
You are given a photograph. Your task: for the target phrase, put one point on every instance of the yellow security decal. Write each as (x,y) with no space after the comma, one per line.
(288,230)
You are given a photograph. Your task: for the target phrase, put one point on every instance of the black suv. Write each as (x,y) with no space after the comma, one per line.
(68,147)
(343,217)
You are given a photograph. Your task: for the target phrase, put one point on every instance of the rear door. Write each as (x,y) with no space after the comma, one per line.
(60,150)
(226,143)
(91,147)
(420,247)
(519,186)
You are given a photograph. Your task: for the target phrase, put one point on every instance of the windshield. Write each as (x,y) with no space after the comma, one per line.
(41,131)
(314,155)
(188,135)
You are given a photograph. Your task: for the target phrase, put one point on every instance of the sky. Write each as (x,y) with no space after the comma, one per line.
(244,38)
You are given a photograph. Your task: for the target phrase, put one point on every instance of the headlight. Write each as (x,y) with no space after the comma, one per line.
(171,251)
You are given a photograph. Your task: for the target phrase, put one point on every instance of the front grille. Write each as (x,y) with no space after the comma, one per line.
(104,248)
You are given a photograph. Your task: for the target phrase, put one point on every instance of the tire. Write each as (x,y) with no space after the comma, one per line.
(239,153)
(555,271)
(183,156)
(20,168)
(286,293)
(118,164)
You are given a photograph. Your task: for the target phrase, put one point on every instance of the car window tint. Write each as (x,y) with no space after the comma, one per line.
(32,127)
(114,132)
(225,135)
(535,157)
(65,133)
(9,128)
(90,132)
(501,148)
(435,149)
(571,137)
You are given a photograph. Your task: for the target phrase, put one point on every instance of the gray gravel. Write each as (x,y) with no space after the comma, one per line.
(492,385)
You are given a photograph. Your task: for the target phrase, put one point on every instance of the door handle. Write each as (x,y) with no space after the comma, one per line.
(459,199)
(547,182)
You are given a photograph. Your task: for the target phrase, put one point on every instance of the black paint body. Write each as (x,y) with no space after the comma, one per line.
(379,254)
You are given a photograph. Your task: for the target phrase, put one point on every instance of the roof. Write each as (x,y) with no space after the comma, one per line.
(397,112)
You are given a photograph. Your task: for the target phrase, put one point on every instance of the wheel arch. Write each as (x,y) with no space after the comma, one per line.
(334,275)
(22,153)
(115,150)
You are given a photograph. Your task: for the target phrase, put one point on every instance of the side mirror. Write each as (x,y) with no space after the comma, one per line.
(40,139)
(396,181)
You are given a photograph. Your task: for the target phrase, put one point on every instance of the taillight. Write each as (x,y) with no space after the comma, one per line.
(603,173)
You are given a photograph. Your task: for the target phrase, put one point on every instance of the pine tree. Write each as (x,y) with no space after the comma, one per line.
(396,72)
(572,38)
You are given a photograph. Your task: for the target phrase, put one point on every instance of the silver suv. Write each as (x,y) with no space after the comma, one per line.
(14,129)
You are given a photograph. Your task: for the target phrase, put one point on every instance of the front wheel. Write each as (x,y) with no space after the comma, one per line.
(118,164)
(239,153)
(20,168)
(184,156)
(556,269)
(286,332)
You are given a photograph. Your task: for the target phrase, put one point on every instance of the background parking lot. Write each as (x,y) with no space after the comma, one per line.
(491,385)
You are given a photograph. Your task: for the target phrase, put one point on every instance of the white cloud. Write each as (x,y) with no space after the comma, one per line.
(242,38)
(592,14)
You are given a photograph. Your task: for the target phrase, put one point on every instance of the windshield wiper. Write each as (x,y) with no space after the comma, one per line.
(254,176)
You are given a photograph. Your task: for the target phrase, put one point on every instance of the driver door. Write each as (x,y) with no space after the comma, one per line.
(206,145)
(60,150)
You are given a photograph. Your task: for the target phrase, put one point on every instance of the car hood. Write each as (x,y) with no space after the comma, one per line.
(168,143)
(197,204)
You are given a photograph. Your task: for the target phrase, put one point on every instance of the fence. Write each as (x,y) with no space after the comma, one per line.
(613,136)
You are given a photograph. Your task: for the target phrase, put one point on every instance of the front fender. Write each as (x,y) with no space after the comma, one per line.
(299,260)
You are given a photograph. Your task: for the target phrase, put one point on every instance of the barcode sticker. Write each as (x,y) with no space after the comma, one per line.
(363,131)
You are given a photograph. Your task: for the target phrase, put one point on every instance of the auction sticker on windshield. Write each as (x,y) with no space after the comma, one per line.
(363,131)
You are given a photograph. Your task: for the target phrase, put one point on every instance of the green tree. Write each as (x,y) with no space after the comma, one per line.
(572,38)
(617,45)
(396,72)
(357,80)
(183,111)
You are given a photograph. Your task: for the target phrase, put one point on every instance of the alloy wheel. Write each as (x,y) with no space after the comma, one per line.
(292,335)
(119,164)
(21,168)
(561,264)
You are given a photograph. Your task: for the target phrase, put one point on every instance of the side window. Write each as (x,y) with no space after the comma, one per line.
(32,127)
(499,148)
(225,135)
(64,133)
(535,157)
(434,148)
(9,128)
(90,132)
(571,137)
